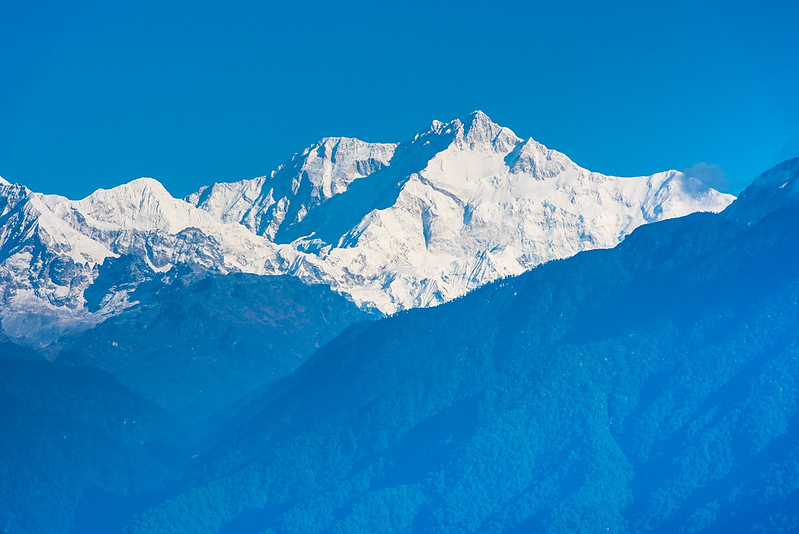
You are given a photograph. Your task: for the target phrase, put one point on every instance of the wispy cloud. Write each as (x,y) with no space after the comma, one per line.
(709,174)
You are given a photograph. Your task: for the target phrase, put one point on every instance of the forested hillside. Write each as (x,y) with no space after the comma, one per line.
(75,441)
(649,388)
(196,348)
(84,450)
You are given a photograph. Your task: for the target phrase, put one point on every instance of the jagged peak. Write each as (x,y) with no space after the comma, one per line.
(475,128)
(335,141)
(3,181)
(330,142)
(478,117)
(437,127)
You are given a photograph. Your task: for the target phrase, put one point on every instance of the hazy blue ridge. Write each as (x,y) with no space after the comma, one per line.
(653,387)
(68,432)
(83,449)
(198,347)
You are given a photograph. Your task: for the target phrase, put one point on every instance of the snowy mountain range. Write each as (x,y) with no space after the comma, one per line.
(392,226)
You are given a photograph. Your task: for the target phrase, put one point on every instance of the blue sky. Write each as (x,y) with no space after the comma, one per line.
(94,94)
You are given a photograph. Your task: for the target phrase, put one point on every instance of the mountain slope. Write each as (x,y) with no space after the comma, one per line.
(77,443)
(198,347)
(648,388)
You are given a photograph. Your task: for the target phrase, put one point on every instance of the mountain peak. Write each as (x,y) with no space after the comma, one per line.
(478,129)
(769,192)
(143,204)
(3,181)
(145,183)
(133,188)
(478,116)
(332,141)
(476,120)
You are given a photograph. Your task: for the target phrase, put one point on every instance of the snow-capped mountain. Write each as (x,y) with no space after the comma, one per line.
(53,248)
(461,204)
(393,226)
(323,170)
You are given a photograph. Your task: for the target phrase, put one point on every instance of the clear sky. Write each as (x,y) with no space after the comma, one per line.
(93,94)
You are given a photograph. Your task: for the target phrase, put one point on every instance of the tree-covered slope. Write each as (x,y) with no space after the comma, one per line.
(649,388)
(196,348)
(76,443)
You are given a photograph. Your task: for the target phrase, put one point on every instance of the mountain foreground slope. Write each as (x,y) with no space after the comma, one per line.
(653,387)
(107,427)
(198,348)
(390,226)
(73,435)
